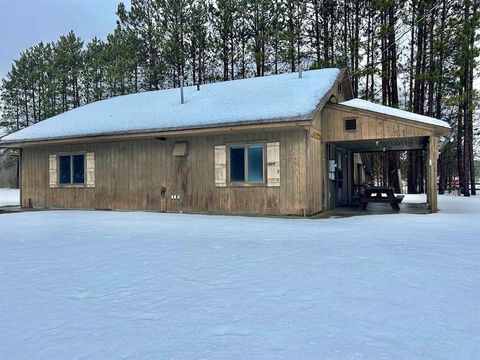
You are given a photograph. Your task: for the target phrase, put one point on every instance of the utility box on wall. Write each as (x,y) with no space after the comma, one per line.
(331,169)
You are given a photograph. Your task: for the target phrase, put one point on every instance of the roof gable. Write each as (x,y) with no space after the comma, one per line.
(390,111)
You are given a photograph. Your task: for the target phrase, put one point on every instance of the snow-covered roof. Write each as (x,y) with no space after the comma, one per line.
(386,110)
(269,98)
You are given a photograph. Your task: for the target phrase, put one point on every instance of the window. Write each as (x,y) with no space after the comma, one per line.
(237,164)
(255,163)
(72,169)
(246,164)
(350,124)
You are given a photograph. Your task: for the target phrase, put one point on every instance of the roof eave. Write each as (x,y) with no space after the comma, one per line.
(304,120)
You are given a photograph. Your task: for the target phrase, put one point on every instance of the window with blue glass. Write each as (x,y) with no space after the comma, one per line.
(71,169)
(237,164)
(255,163)
(246,164)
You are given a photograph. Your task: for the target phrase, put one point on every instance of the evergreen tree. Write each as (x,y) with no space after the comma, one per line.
(94,67)
(414,54)
(142,21)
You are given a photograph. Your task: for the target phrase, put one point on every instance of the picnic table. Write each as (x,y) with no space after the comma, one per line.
(380,194)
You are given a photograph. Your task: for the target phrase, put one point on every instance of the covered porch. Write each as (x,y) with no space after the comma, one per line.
(353,174)
(352,134)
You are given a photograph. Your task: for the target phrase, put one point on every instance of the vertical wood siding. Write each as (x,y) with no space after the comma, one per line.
(368,127)
(315,157)
(129,175)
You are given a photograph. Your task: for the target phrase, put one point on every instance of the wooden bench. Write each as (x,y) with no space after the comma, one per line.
(380,194)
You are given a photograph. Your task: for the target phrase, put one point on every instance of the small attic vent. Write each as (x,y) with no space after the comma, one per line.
(180,149)
(350,124)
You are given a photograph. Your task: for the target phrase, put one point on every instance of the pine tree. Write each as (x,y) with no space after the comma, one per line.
(67,58)
(414,54)
(142,21)
(199,40)
(174,17)
(94,65)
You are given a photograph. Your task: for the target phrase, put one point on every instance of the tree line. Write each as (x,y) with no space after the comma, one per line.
(419,55)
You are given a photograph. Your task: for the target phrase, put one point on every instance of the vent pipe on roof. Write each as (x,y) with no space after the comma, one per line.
(300,70)
(182,100)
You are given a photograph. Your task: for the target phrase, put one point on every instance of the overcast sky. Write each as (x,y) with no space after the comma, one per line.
(24,23)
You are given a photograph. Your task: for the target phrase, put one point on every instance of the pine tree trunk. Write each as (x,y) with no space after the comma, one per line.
(412,172)
(431,65)
(421,173)
(317,31)
(369,65)
(393,56)
(383,50)
(470,98)
(439,92)
(326,45)
(442,173)
(460,161)
(412,62)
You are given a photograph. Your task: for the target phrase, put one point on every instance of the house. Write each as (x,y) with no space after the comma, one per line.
(281,144)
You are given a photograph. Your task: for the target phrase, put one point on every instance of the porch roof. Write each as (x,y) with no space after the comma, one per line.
(387,110)
(380,145)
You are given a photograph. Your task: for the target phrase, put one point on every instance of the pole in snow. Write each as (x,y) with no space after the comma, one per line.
(300,70)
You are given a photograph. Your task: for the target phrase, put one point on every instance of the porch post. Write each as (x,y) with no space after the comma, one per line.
(19,174)
(427,168)
(432,192)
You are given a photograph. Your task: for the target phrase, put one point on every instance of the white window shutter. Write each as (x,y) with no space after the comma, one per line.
(220,165)
(273,164)
(90,157)
(52,170)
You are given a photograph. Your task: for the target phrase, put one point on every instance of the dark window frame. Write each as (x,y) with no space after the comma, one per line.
(245,147)
(346,121)
(72,173)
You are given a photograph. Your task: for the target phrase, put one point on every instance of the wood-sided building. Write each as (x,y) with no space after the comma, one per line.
(283,145)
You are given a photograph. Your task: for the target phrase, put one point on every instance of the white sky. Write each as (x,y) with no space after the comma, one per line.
(24,23)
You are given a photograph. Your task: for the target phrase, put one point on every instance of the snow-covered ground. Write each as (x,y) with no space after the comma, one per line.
(9,197)
(414,198)
(117,285)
